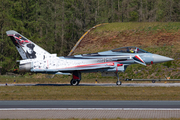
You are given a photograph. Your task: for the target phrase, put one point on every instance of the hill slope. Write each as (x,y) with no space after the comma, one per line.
(159,38)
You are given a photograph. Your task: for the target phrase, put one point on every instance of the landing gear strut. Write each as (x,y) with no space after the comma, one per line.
(118,82)
(76,78)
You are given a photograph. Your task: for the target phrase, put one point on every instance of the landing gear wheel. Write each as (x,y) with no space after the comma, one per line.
(74,82)
(118,83)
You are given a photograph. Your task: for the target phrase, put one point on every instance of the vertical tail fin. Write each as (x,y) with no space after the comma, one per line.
(26,48)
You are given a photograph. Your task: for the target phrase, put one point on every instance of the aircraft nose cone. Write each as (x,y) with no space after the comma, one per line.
(159,58)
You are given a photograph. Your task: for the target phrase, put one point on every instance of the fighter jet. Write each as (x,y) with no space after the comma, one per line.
(38,60)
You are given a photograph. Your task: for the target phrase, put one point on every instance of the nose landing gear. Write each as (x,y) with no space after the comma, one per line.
(118,82)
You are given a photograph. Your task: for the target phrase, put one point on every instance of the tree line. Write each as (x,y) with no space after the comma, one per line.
(56,25)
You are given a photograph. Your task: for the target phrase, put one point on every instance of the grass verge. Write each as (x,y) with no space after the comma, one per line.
(88,93)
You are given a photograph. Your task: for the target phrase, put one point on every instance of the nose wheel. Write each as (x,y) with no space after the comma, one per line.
(118,83)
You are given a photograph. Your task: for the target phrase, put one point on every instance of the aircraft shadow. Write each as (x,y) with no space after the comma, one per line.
(55,84)
(65,85)
(52,85)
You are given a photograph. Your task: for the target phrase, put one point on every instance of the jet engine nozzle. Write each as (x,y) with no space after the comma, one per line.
(160,58)
(26,67)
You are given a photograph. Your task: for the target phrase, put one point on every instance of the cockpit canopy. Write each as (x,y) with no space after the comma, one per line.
(130,49)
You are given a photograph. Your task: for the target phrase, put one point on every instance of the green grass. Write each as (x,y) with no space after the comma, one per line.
(88,93)
(138,26)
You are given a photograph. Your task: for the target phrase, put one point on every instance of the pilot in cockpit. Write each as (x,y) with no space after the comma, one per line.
(131,50)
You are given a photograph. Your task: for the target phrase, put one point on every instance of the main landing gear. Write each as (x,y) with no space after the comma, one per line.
(118,82)
(74,82)
(76,78)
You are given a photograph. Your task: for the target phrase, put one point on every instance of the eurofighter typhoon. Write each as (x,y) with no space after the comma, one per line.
(38,60)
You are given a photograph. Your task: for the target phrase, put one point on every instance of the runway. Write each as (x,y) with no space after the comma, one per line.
(89,109)
(102,84)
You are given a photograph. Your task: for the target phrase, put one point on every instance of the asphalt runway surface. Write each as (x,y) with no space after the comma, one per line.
(103,84)
(89,104)
(89,109)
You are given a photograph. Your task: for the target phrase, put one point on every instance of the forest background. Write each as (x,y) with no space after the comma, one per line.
(56,25)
